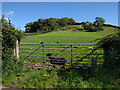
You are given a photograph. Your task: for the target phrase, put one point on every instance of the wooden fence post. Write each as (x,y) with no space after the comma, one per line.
(16,50)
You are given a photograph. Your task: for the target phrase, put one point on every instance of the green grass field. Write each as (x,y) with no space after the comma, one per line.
(67,36)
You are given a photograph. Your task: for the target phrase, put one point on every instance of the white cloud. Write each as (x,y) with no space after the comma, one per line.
(6,19)
(9,13)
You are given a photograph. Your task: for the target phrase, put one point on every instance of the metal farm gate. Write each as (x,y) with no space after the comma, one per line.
(75,54)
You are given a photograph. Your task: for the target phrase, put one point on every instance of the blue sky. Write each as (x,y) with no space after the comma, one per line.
(21,13)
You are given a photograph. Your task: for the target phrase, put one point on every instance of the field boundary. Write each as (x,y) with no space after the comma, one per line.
(72,52)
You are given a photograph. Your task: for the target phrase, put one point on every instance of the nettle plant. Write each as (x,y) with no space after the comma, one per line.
(111,46)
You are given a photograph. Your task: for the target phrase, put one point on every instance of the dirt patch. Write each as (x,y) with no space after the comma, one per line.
(1,87)
(36,65)
(40,66)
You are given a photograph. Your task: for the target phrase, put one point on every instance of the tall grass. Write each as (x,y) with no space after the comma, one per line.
(71,78)
(11,68)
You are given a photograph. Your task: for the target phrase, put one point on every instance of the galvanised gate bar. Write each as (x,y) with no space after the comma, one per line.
(75,54)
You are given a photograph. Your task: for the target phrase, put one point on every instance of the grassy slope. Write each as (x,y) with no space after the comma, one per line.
(68,36)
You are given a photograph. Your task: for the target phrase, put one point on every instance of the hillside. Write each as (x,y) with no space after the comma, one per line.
(69,34)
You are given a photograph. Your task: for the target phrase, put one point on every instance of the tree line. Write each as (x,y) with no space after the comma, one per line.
(51,24)
(48,25)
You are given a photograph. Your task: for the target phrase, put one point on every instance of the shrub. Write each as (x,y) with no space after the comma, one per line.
(9,36)
(111,46)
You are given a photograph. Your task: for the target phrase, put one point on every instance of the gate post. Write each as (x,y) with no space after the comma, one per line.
(71,54)
(42,51)
(16,50)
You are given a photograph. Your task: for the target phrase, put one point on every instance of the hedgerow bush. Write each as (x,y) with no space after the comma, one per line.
(111,46)
(10,65)
(9,37)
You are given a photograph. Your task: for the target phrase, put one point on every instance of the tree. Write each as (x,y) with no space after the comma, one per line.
(66,21)
(89,27)
(45,29)
(99,22)
(52,23)
(28,27)
(71,21)
(95,26)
